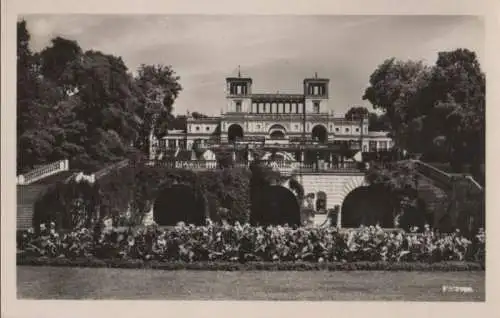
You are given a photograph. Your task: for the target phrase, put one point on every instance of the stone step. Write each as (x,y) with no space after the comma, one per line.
(28,194)
(24,216)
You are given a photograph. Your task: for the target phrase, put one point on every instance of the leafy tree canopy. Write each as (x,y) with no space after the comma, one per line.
(434,110)
(85,105)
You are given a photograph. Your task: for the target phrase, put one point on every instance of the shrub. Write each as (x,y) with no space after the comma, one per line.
(244,243)
(69,205)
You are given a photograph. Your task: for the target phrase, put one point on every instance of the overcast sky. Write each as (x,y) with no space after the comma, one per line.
(276,51)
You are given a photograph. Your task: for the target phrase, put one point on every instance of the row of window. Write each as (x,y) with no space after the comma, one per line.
(197,128)
(292,108)
(337,129)
(238,89)
(378,145)
(317,89)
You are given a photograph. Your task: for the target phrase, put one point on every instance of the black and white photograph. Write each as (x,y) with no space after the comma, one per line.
(250,157)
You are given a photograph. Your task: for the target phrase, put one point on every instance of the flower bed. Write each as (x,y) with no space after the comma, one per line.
(226,244)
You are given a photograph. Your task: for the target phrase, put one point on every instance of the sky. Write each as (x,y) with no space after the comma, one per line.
(277,52)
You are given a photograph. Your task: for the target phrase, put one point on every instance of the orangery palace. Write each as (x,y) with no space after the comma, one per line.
(289,122)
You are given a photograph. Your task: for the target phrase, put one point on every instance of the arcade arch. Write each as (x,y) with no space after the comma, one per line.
(277,131)
(368,205)
(275,205)
(234,133)
(174,198)
(319,133)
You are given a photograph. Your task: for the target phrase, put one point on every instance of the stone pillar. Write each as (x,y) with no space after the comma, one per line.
(339,217)
(302,156)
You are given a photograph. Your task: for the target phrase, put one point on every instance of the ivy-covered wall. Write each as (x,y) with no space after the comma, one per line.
(135,189)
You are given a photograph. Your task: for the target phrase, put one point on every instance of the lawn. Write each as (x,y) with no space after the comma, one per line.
(102,283)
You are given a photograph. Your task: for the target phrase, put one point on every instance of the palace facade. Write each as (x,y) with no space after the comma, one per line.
(279,120)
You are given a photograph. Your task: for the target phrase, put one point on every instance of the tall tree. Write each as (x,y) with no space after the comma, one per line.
(356,113)
(26,82)
(378,122)
(458,85)
(60,61)
(375,122)
(33,144)
(394,88)
(434,107)
(158,86)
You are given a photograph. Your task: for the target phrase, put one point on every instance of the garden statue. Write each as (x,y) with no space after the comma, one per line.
(307,211)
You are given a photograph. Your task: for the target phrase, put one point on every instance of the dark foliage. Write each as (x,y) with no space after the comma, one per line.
(86,106)
(69,205)
(136,187)
(436,110)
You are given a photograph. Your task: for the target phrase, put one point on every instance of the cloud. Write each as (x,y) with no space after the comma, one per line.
(277,51)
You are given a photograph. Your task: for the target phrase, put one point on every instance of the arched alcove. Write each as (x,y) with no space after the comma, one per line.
(275,205)
(367,205)
(178,203)
(319,133)
(235,132)
(277,134)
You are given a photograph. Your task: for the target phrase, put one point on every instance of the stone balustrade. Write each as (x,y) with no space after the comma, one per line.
(101,173)
(284,166)
(43,172)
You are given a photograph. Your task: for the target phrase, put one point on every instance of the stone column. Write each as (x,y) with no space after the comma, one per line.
(339,217)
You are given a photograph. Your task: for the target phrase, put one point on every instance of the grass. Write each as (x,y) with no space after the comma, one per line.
(41,282)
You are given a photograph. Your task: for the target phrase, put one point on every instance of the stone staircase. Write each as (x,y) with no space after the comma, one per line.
(32,184)
(452,198)
(27,195)
(435,197)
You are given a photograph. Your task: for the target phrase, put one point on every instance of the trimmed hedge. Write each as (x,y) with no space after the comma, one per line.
(23,260)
